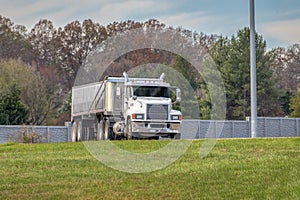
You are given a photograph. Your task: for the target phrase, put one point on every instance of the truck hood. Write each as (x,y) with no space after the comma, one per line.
(154,100)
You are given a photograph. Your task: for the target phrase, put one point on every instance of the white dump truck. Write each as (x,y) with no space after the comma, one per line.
(123,107)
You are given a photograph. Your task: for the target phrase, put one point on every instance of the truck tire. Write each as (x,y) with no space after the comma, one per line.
(100,130)
(79,131)
(177,136)
(74,132)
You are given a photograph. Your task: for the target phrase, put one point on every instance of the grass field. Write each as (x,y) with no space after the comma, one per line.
(234,169)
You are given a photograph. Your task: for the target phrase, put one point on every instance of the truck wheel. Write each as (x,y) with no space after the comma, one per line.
(100,130)
(73,132)
(177,136)
(128,129)
(79,131)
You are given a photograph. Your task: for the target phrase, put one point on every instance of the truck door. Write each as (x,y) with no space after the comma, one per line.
(118,98)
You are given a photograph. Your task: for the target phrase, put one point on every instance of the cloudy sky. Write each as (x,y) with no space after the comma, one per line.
(277,20)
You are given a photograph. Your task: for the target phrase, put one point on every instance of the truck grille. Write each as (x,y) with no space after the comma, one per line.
(157,112)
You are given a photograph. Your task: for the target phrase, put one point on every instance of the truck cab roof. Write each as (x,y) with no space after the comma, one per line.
(139,81)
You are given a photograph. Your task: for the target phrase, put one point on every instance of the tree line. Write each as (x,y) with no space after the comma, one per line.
(38,69)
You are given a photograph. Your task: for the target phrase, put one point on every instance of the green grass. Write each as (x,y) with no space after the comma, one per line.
(234,169)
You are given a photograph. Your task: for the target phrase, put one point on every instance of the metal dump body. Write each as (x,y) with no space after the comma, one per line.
(83,97)
(101,97)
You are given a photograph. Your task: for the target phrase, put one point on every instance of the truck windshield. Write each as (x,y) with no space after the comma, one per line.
(151,91)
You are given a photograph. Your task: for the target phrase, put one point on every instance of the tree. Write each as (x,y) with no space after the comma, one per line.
(39,99)
(12,110)
(67,105)
(92,35)
(119,27)
(295,105)
(285,67)
(200,94)
(42,38)
(13,41)
(77,40)
(232,56)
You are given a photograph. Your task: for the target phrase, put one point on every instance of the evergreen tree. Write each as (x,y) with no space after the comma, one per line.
(199,95)
(232,56)
(12,111)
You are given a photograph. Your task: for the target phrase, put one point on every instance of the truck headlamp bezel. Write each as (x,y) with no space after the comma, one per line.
(176,117)
(138,116)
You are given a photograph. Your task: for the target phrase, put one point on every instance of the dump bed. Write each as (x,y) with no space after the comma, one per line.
(87,97)
(101,97)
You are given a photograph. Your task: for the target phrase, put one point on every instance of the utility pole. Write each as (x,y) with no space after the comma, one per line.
(253,72)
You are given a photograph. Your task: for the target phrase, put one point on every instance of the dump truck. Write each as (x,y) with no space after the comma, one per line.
(125,108)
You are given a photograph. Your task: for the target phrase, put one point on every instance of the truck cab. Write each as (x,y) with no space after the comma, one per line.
(148,108)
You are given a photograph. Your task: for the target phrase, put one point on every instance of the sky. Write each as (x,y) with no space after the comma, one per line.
(278,21)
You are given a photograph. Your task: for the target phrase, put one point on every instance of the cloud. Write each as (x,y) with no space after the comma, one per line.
(30,13)
(286,31)
(62,12)
(174,13)
(200,16)
(123,10)
(191,20)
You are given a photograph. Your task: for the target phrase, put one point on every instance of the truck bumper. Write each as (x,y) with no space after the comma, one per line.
(144,129)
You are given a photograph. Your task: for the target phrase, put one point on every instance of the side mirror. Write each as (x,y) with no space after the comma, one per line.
(178,98)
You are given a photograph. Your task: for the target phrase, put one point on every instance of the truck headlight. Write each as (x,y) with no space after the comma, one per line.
(138,116)
(176,117)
